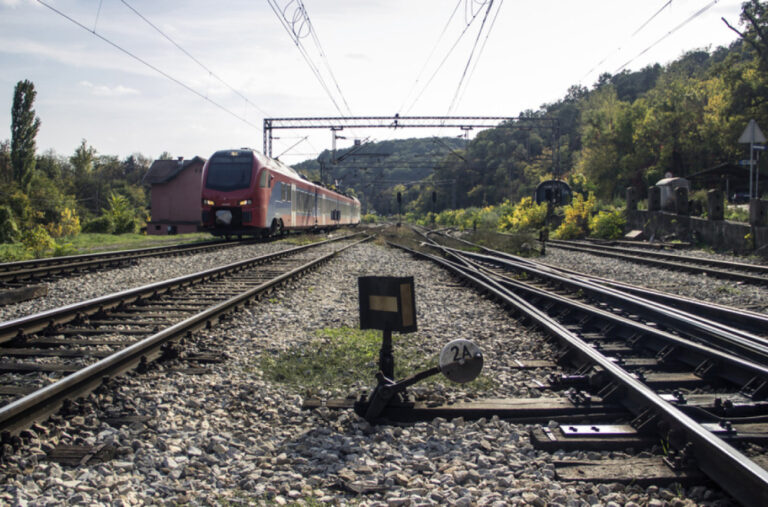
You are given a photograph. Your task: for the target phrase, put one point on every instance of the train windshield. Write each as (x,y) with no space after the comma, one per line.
(230,171)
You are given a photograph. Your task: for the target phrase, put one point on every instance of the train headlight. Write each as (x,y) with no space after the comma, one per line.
(207,202)
(245,202)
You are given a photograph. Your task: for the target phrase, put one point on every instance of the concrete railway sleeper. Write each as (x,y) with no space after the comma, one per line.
(616,360)
(88,342)
(730,329)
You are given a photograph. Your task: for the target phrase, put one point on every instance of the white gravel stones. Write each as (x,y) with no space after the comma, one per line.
(724,292)
(231,437)
(145,271)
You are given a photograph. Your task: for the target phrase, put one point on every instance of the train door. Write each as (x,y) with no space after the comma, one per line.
(294,202)
(314,208)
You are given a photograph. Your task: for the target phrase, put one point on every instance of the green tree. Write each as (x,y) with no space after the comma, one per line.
(754,15)
(9,231)
(82,160)
(24,128)
(120,213)
(6,169)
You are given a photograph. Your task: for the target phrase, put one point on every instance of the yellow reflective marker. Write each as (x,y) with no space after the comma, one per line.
(382,303)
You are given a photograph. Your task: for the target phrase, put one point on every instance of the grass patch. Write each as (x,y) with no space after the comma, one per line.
(91,242)
(304,239)
(340,358)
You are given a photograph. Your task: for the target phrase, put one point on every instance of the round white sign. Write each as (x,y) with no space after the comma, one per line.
(461,361)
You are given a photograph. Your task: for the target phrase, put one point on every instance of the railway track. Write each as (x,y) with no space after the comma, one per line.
(40,269)
(739,271)
(695,383)
(66,352)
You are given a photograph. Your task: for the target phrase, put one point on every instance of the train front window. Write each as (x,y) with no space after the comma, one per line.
(230,172)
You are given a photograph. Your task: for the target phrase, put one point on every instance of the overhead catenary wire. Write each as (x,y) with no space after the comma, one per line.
(637,31)
(198,62)
(482,48)
(440,66)
(296,36)
(675,29)
(454,102)
(431,53)
(146,63)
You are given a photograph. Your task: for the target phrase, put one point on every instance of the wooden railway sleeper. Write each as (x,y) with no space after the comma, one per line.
(666,353)
(707,369)
(612,392)
(756,388)
(647,421)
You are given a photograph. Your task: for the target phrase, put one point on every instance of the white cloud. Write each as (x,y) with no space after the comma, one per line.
(106,91)
(14,3)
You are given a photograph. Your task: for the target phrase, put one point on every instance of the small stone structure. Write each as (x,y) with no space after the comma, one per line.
(714,230)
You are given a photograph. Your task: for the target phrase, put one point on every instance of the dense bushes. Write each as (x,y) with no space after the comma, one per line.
(607,224)
(526,215)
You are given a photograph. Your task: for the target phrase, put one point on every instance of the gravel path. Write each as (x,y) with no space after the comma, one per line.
(724,292)
(231,437)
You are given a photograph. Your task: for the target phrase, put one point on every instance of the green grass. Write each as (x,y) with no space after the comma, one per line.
(90,242)
(95,242)
(338,358)
(11,252)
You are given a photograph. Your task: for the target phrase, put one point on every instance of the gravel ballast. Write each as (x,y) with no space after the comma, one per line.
(724,292)
(144,271)
(232,437)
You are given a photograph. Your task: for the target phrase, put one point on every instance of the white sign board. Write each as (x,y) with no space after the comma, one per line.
(752,134)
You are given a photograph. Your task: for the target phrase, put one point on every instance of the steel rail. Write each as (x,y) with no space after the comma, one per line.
(740,266)
(49,319)
(38,268)
(740,370)
(733,471)
(748,345)
(753,321)
(644,259)
(22,412)
(66,259)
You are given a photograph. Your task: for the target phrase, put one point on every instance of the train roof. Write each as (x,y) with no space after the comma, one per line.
(286,170)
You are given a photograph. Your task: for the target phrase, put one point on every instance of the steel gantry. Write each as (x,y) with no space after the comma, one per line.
(464,123)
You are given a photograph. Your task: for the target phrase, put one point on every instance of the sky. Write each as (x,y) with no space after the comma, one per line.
(230,64)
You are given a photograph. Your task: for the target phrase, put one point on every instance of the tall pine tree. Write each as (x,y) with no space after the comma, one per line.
(24,127)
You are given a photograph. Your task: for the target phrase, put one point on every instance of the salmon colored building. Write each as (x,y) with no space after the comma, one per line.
(175,195)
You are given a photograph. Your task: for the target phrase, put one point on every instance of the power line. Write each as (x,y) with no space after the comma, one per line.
(198,62)
(431,53)
(324,57)
(440,66)
(161,72)
(691,18)
(482,48)
(471,55)
(667,4)
(301,19)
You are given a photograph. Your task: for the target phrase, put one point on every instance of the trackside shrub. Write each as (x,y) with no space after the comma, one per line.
(37,241)
(68,225)
(121,214)
(100,224)
(576,221)
(9,231)
(526,215)
(608,224)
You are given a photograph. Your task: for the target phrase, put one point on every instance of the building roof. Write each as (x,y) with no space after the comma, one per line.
(163,171)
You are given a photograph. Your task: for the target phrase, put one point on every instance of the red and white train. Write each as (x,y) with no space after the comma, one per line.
(247,193)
